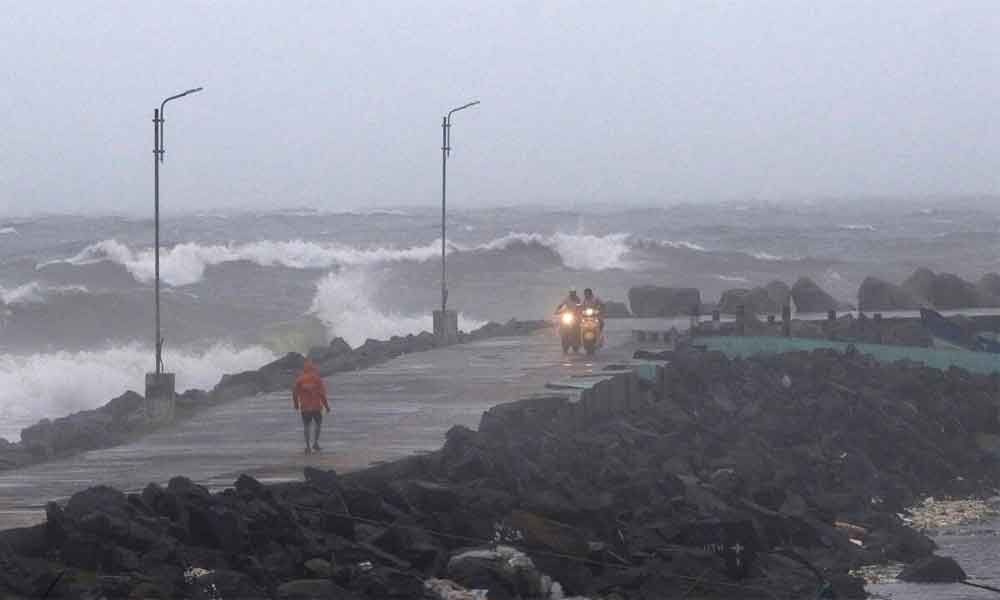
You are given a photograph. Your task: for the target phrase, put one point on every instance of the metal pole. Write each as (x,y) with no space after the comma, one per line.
(156,217)
(444,184)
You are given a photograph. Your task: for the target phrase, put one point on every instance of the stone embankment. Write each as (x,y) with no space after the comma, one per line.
(770,477)
(123,419)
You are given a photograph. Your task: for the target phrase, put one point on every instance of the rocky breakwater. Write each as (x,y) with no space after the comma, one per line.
(715,478)
(123,419)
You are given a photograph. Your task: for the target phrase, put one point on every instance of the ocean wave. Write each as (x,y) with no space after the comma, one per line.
(344,303)
(35,292)
(50,385)
(857,227)
(185,264)
(8,231)
(582,252)
(766,256)
(732,278)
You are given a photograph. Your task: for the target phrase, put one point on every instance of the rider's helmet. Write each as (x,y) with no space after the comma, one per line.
(588,293)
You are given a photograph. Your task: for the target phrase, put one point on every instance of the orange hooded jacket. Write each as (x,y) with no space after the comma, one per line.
(309,393)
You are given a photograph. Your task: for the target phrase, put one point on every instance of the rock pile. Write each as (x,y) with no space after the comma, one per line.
(947,291)
(877,294)
(122,419)
(760,478)
(654,301)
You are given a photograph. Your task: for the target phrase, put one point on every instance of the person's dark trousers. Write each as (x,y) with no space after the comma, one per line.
(316,417)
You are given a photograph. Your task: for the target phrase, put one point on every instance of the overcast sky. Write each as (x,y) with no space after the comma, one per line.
(338,105)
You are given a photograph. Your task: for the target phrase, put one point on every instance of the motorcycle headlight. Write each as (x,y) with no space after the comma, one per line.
(589,312)
(567,318)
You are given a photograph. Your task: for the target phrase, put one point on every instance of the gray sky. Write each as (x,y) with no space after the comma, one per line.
(338,104)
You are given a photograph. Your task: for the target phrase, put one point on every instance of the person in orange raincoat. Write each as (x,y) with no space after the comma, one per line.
(309,397)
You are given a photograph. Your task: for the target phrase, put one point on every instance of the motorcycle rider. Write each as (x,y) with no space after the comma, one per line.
(571,302)
(590,300)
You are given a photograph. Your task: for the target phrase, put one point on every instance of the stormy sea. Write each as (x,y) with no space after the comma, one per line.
(76,299)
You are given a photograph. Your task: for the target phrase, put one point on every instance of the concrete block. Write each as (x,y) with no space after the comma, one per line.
(161,398)
(446,326)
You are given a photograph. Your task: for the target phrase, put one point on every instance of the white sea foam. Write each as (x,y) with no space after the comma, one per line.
(50,385)
(766,256)
(857,227)
(8,231)
(732,278)
(185,264)
(36,292)
(681,244)
(344,303)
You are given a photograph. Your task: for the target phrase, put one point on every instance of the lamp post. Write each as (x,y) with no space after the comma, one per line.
(160,392)
(446,325)
(158,119)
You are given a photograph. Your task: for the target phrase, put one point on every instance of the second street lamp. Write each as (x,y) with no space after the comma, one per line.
(159,385)
(445,323)
(158,152)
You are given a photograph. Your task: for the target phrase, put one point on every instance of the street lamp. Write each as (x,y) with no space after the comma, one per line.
(158,120)
(160,389)
(441,324)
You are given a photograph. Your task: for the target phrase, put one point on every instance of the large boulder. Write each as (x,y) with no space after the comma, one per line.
(933,569)
(810,298)
(779,292)
(655,301)
(946,291)
(878,294)
(756,301)
(616,310)
(989,284)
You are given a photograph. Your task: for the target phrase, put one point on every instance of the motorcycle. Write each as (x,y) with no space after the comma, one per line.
(569,330)
(591,335)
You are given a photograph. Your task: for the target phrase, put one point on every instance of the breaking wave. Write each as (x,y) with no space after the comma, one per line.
(50,385)
(185,263)
(8,231)
(344,303)
(35,292)
(582,252)
(766,256)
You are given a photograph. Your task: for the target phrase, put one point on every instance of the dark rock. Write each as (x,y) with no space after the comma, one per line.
(337,348)
(616,310)
(100,498)
(273,376)
(947,291)
(989,285)
(779,293)
(810,298)
(653,301)
(756,301)
(328,481)
(312,589)
(933,569)
(225,583)
(319,567)
(876,294)
(248,486)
